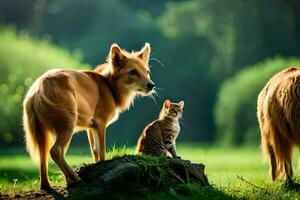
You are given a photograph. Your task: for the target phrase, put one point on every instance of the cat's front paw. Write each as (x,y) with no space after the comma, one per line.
(177,157)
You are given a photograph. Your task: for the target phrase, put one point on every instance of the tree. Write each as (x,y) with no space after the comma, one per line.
(241,32)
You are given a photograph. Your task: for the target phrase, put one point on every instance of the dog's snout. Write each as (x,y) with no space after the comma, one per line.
(150,85)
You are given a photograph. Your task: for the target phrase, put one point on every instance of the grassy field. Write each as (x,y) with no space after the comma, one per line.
(224,166)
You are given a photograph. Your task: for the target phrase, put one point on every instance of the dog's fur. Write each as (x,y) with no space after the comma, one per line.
(63,101)
(278,112)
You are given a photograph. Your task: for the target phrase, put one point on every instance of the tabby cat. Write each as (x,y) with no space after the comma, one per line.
(159,137)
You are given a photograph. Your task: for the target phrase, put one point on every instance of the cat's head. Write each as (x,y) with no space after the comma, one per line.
(172,109)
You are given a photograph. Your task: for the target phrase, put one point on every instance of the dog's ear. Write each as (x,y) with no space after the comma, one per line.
(144,53)
(117,58)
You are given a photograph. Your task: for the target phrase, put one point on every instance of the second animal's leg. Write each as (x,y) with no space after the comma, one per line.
(273,161)
(283,151)
(270,143)
(288,167)
(63,138)
(268,150)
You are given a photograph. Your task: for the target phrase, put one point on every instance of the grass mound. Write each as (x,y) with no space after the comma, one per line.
(128,176)
(138,175)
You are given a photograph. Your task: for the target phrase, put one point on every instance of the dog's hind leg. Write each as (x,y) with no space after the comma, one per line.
(63,138)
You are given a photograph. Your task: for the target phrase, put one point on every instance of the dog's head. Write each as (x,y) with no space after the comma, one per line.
(131,70)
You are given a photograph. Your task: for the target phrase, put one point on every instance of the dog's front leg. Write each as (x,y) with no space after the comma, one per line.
(100,141)
(93,140)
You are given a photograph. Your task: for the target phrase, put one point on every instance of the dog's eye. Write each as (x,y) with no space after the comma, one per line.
(133,72)
(148,72)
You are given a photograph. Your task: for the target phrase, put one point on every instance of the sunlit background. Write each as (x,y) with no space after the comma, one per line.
(215,55)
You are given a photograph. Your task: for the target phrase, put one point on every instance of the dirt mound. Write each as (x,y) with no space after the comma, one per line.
(126,176)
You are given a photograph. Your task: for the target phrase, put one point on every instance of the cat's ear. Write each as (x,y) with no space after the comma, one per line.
(181,104)
(117,58)
(145,53)
(167,104)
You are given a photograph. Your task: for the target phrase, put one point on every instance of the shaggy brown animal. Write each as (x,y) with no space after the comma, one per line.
(62,101)
(278,112)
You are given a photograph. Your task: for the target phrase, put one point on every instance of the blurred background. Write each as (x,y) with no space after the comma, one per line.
(216,55)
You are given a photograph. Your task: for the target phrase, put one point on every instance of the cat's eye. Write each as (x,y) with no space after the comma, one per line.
(133,72)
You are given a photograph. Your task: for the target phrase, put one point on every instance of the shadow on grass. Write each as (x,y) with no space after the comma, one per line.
(183,191)
(291,185)
(19,174)
(191,191)
(56,194)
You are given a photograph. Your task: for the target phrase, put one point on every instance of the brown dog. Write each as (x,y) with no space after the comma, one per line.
(278,112)
(61,100)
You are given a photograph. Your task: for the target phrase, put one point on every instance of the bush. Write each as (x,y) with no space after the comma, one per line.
(22,60)
(235,109)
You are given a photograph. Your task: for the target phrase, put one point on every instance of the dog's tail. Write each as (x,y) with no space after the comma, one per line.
(36,135)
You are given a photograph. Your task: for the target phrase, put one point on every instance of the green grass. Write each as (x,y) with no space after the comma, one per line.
(19,173)
(223,166)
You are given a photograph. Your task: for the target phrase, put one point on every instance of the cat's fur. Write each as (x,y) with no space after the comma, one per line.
(159,137)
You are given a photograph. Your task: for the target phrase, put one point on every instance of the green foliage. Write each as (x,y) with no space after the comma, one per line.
(192,192)
(226,26)
(119,152)
(22,60)
(235,109)
(201,43)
